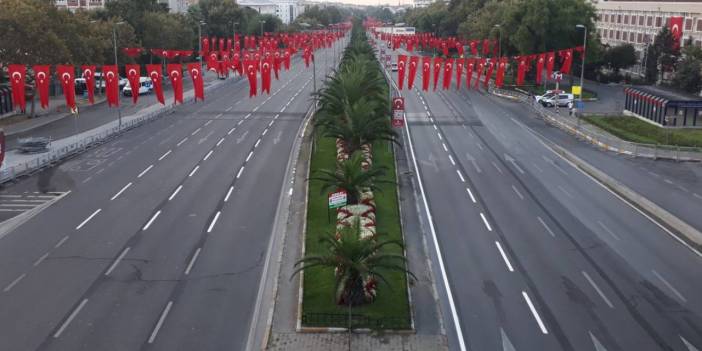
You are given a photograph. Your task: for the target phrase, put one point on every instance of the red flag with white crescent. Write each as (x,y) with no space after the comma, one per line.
(205,46)
(486,47)
(266,76)
(488,75)
(88,72)
(133,74)
(276,63)
(426,72)
(41,81)
(175,73)
(479,70)
(287,53)
(212,61)
(154,72)
(675,23)
(401,65)
(250,68)
(521,69)
(437,70)
(500,77)
(566,59)
(66,74)
(459,72)
(132,52)
(550,61)
(448,73)
(414,62)
(17,75)
(541,59)
(111,75)
(198,84)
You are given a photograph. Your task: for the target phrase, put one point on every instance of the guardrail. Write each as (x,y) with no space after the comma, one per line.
(605,141)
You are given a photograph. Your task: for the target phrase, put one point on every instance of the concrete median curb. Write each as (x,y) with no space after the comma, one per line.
(683,231)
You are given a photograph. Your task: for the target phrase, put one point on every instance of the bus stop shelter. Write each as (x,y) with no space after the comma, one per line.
(663,109)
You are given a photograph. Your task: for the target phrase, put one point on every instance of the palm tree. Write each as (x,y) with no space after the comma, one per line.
(356,261)
(350,177)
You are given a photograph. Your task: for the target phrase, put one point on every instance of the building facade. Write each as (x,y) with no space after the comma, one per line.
(286,10)
(79,4)
(637,23)
(178,6)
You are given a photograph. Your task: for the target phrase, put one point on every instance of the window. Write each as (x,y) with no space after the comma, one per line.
(699,25)
(688,24)
(619,18)
(641,20)
(611,33)
(618,35)
(626,19)
(606,17)
(647,38)
(633,20)
(631,37)
(649,21)
(639,37)
(698,44)
(659,22)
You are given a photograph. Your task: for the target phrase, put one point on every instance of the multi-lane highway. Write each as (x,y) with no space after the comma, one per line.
(161,242)
(533,254)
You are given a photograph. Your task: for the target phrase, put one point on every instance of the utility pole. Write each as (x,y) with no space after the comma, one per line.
(199,40)
(582,69)
(114,42)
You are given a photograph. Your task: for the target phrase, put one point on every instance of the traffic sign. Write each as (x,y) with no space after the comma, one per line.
(398,118)
(576,90)
(398,104)
(557,76)
(337,199)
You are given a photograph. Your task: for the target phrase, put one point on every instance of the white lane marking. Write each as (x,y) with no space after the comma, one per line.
(117,261)
(470,193)
(463,180)
(565,191)
(517,191)
(193,171)
(238,174)
(271,123)
(153,218)
(597,288)
(497,167)
(439,135)
(504,256)
(546,226)
(88,219)
(41,259)
(145,170)
(101,170)
(210,121)
(537,167)
(608,230)
(192,261)
(249,156)
(434,125)
(175,192)
(290,192)
(208,155)
(689,345)
(487,225)
(670,286)
(214,221)
(63,240)
(14,282)
(121,191)
(264,132)
(164,155)
(196,131)
(535,313)
(230,107)
(480,146)
(668,181)
(231,131)
(240,122)
(697,195)
(654,174)
(452,161)
(70,318)
(220,142)
(257,142)
(229,193)
(445,148)
(159,324)
(182,141)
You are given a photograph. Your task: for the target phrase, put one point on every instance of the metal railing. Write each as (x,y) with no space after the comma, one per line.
(605,141)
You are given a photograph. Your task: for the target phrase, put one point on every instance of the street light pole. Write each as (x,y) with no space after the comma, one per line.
(261,22)
(499,40)
(582,66)
(114,42)
(199,40)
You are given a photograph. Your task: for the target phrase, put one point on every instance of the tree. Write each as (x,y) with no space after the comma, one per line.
(687,73)
(355,259)
(219,16)
(663,52)
(350,177)
(621,56)
(166,30)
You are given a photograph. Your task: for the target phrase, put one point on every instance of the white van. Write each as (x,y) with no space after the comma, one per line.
(145,87)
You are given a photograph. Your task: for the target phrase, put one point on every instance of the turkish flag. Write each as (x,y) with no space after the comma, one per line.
(448,72)
(500,77)
(675,24)
(88,73)
(437,69)
(459,72)
(426,72)
(132,52)
(266,76)
(481,66)
(205,47)
(154,72)
(198,84)
(469,71)
(111,75)
(486,47)
(414,62)
(521,68)
(212,64)
(276,63)
(133,74)
(66,74)
(250,67)
(287,53)
(41,80)
(175,73)
(541,59)
(444,47)
(17,75)
(401,65)
(566,60)
(550,61)
(474,47)
(236,62)
(488,75)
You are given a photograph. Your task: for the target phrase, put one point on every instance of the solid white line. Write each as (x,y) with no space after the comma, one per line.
(229,193)
(489,228)
(148,224)
(196,131)
(208,155)
(41,259)
(546,226)
(214,221)
(470,193)
(160,322)
(192,261)
(249,156)
(182,141)
(220,142)
(193,171)
(264,132)
(239,173)
(117,261)
(257,142)
(121,191)
(63,240)
(175,192)
(14,282)
(164,155)
(504,256)
(88,219)
(463,180)
(535,313)
(597,288)
(445,148)
(145,170)
(670,286)
(452,161)
(517,191)
(70,318)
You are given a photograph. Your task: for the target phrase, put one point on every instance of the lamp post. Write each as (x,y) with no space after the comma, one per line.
(261,22)
(582,65)
(234,24)
(499,40)
(199,40)
(114,42)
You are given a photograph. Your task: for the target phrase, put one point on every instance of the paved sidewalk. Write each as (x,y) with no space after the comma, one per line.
(340,342)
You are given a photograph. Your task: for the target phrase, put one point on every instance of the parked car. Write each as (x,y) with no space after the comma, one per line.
(393,66)
(548,94)
(562,100)
(145,87)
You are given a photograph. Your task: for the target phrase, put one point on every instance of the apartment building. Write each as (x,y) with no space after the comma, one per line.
(79,4)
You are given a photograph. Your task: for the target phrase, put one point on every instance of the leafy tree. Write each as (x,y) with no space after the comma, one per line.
(133,12)
(663,52)
(687,74)
(350,176)
(166,30)
(220,16)
(621,56)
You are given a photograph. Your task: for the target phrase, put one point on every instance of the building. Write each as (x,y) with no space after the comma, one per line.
(422,3)
(637,23)
(79,4)
(286,10)
(178,6)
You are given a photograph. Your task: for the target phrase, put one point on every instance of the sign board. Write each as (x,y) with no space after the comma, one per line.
(337,199)
(398,104)
(576,90)
(557,76)
(579,105)
(398,118)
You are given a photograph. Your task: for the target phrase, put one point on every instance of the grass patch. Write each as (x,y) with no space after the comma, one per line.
(636,130)
(391,304)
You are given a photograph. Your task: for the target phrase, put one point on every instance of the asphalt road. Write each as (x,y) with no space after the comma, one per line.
(537,255)
(161,241)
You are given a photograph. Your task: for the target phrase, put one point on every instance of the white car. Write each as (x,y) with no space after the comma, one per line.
(547,95)
(562,100)
(145,87)
(393,67)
